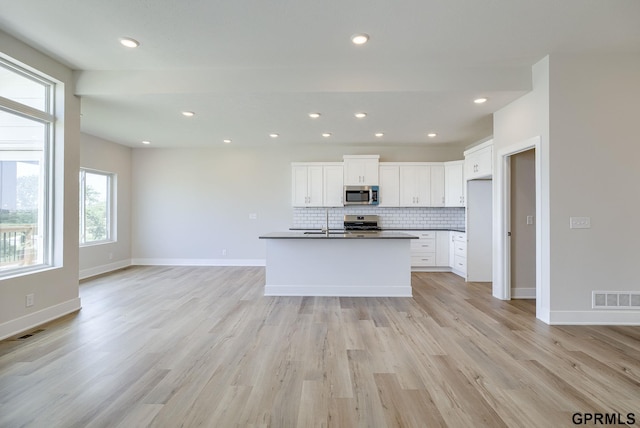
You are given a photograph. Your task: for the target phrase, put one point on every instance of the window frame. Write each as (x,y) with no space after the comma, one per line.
(110,209)
(48,118)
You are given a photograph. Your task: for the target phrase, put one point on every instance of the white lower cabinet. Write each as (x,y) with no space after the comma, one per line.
(430,250)
(458,253)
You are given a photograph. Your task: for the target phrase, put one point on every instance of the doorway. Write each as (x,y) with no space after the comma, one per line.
(501,224)
(522,219)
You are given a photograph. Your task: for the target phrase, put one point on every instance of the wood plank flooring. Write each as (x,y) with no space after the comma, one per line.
(201,346)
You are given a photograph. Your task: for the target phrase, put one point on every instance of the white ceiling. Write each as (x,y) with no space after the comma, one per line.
(251,67)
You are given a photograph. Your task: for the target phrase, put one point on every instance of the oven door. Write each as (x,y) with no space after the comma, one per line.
(357,195)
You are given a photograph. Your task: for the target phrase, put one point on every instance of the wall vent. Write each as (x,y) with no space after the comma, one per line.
(616,300)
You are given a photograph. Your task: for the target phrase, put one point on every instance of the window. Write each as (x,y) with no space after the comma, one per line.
(96,201)
(26,130)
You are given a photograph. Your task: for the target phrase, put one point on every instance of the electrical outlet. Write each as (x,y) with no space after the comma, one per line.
(529,219)
(253,216)
(110,256)
(224,251)
(29,300)
(580,222)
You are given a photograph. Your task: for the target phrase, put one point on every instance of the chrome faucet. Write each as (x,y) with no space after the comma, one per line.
(325,229)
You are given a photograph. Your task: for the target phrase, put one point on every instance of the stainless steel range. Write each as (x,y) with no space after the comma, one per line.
(361,223)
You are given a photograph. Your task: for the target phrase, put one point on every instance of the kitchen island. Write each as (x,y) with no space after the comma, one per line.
(338,264)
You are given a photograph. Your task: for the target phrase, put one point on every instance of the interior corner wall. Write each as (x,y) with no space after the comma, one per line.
(56,290)
(193,206)
(594,173)
(106,156)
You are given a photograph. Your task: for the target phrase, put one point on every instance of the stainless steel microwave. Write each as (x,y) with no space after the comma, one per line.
(361,195)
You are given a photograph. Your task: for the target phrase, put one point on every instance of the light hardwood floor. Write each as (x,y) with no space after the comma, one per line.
(201,346)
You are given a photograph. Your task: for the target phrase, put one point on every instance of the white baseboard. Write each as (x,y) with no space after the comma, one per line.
(337,290)
(98,270)
(430,269)
(27,322)
(608,317)
(198,262)
(523,293)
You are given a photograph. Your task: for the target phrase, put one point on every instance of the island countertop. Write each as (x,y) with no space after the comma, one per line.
(337,235)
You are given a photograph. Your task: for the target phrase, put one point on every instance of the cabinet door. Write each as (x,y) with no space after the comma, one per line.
(442,248)
(314,186)
(299,196)
(389,176)
(371,173)
(361,172)
(415,189)
(454,184)
(332,186)
(353,172)
(479,164)
(437,185)
(485,162)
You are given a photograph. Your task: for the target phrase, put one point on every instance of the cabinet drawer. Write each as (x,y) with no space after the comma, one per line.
(459,236)
(424,234)
(423,259)
(460,263)
(423,244)
(460,249)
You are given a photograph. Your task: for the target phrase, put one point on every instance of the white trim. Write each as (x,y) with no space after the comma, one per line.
(99,270)
(198,262)
(523,293)
(27,322)
(338,290)
(431,269)
(501,259)
(595,318)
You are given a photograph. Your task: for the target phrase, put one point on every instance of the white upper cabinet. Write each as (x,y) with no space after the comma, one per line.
(437,185)
(361,170)
(478,161)
(389,176)
(306,185)
(454,184)
(415,186)
(333,189)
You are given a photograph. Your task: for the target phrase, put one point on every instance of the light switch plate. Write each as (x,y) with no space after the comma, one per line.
(580,222)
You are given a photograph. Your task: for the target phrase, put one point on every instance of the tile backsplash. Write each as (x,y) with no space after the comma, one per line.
(390,218)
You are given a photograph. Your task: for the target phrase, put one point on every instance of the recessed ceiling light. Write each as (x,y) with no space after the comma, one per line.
(480,100)
(360,115)
(326,134)
(129,42)
(146,142)
(360,38)
(379,134)
(314,115)
(226,141)
(432,135)
(188,113)
(274,135)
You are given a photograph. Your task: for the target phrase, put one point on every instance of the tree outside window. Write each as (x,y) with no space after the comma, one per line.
(96,194)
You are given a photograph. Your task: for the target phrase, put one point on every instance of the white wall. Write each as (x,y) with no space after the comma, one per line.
(189,205)
(102,155)
(56,289)
(594,172)
(584,108)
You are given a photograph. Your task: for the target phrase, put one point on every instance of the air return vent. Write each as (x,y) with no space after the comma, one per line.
(616,300)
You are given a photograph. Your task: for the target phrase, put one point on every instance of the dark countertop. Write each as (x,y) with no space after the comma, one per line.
(338,234)
(384,229)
